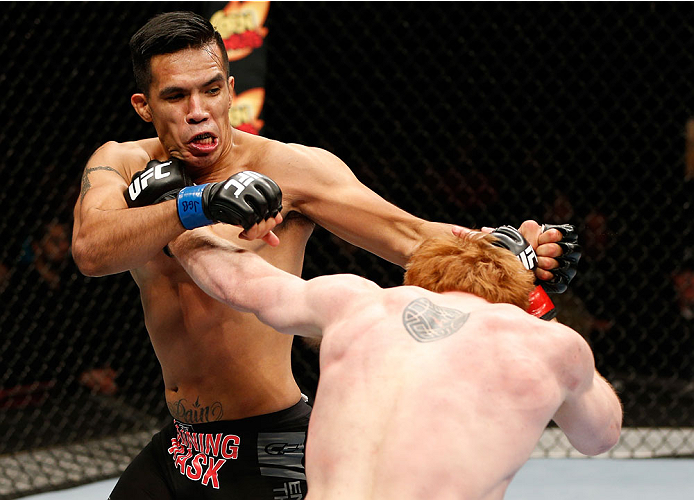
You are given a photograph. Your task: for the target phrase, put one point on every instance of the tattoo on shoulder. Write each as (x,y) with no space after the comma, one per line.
(427,322)
(194,413)
(86,185)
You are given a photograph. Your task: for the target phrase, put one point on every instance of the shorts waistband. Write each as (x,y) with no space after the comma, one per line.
(295,415)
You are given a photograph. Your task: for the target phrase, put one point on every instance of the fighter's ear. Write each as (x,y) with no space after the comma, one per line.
(139,102)
(231,90)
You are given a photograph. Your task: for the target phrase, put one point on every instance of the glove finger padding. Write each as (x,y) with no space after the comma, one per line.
(264,197)
(219,208)
(571,252)
(568,231)
(568,260)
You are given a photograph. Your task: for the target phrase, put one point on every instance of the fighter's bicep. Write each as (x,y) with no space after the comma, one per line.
(284,304)
(306,308)
(102,186)
(331,298)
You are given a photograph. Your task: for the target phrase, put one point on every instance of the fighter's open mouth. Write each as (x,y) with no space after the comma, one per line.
(203,139)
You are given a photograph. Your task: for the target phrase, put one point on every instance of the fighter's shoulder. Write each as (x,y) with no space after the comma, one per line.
(298,157)
(345,284)
(303,172)
(508,319)
(568,349)
(555,332)
(564,335)
(144,148)
(127,156)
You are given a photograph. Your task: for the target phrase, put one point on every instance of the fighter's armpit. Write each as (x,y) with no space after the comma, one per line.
(87,185)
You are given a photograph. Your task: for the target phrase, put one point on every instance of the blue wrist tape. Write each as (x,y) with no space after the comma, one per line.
(190,211)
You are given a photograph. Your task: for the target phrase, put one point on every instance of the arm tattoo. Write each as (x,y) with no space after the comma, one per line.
(194,413)
(86,185)
(427,322)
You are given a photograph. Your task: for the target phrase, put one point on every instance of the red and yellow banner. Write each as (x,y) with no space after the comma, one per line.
(242,26)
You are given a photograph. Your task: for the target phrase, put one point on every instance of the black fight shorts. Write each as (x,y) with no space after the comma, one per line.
(254,458)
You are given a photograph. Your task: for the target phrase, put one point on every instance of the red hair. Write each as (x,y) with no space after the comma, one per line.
(472,264)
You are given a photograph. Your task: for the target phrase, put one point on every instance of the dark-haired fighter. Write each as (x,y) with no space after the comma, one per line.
(222,369)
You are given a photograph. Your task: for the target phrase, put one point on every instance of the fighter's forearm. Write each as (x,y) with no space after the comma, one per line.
(113,241)
(612,405)
(395,240)
(225,272)
(427,230)
(592,419)
(246,282)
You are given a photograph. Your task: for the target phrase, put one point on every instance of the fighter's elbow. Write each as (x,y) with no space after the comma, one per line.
(86,258)
(602,446)
(603,441)
(88,267)
(614,430)
(613,437)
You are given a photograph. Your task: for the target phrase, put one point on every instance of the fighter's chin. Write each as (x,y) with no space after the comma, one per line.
(201,163)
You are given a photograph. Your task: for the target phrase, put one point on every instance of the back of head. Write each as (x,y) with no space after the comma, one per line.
(471,264)
(168,33)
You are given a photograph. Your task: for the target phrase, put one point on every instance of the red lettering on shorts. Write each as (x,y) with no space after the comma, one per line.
(194,470)
(201,443)
(211,473)
(212,443)
(181,460)
(205,447)
(185,441)
(193,441)
(176,449)
(231,452)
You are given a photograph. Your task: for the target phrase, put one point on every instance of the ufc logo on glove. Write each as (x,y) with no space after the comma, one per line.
(241,181)
(141,182)
(528,258)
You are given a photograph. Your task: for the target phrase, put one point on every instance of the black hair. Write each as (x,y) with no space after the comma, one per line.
(168,33)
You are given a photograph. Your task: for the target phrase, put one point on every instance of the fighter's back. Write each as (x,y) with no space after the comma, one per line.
(427,395)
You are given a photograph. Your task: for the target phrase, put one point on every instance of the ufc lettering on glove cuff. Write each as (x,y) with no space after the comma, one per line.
(190,209)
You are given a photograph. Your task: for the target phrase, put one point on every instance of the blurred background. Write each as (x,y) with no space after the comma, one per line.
(478,114)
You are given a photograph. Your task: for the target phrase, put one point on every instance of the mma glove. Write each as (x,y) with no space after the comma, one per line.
(568,260)
(244,199)
(159,181)
(511,239)
(540,303)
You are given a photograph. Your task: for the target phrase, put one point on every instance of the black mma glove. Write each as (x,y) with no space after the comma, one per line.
(159,181)
(511,239)
(245,199)
(568,260)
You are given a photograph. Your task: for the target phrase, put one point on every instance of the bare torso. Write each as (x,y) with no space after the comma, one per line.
(219,363)
(449,418)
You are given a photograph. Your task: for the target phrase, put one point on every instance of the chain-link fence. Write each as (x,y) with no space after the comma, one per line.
(472,113)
